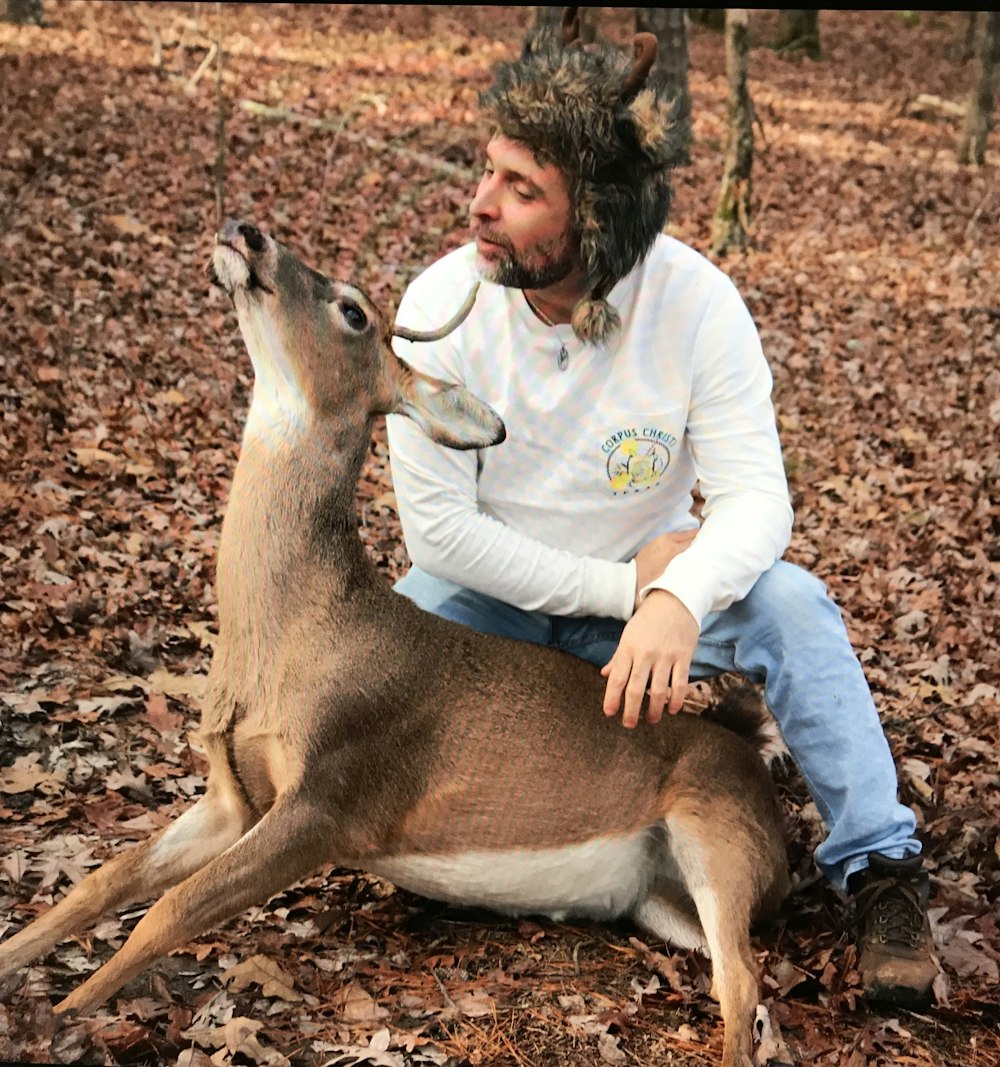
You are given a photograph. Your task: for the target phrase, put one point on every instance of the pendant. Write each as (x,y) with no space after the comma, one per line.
(563,361)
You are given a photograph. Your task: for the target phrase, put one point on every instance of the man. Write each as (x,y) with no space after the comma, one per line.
(627,368)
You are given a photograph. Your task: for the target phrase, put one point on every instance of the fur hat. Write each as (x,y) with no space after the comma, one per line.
(589,111)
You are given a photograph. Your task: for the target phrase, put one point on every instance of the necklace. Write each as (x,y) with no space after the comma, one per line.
(562,360)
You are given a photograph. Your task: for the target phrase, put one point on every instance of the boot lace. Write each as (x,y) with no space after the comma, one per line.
(890,912)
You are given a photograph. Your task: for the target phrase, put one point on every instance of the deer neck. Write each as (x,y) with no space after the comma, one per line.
(289,541)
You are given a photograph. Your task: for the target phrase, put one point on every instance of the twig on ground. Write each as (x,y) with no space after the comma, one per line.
(154,34)
(979,210)
(326,173)
(936,103)
(220,123)
(203,66)
(287,115)
(449,1003)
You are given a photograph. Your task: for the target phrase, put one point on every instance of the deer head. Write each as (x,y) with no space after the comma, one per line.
(321,350)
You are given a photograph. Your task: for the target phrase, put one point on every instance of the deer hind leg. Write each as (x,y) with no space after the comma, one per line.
(291,840)
(669,914)
(202,832)
(714,855)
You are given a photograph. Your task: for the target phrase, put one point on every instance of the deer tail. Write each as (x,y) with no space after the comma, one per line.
(741,709)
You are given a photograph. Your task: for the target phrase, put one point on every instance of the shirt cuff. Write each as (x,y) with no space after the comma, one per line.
(687,588)
(611,588)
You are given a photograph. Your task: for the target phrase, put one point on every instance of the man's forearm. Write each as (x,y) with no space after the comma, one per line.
(740,539)
(447,535)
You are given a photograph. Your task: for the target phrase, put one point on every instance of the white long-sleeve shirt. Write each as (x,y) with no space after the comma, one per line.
(604,445)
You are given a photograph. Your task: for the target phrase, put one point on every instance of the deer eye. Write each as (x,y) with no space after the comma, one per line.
(354,315)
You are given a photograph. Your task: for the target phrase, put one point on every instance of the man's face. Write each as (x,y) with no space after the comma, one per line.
(521,219)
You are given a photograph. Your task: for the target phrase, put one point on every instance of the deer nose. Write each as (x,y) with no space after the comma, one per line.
(233,229)
(253,237)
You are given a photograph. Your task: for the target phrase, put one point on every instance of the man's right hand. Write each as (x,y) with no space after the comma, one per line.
(651,560)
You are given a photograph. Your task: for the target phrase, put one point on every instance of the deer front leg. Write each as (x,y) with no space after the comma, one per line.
(217,820)
(291,840)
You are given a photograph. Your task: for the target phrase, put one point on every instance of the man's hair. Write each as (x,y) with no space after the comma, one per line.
(589,111)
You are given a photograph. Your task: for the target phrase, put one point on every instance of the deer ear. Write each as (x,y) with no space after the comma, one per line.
(449,414)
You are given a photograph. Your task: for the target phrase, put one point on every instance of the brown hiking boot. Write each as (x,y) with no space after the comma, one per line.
(895,950)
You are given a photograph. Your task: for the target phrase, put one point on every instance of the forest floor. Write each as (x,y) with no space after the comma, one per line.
(874,282)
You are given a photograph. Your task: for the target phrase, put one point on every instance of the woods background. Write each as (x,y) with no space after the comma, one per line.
(871,268)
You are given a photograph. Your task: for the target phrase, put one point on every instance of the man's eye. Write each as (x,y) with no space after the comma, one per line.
(523,194)
(354,315)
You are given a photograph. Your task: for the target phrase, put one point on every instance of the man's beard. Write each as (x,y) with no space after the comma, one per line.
(537,267)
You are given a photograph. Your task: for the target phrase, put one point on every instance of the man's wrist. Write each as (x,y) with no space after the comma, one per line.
(666,601)
(660,596)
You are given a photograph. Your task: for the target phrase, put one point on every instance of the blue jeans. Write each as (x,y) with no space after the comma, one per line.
(787,634)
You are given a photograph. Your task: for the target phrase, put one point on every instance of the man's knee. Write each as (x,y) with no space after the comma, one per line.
(443,598)
(427,592)
(788,598)
(469,608)
(785,583)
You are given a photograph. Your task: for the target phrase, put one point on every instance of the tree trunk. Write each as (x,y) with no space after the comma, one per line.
(671,69)
(550,18)
(22,12)
(978,113)
(544,18)
(969,42)
(712,17)
(798,31)
(731,225)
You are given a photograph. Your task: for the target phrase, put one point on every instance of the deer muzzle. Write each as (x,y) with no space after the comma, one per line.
(239,250)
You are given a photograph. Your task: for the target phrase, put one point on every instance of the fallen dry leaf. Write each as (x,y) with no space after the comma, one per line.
(159,716)
(126,224)
(475,1004)
(26,776)
(608,1047)
(259,970)
(354,1005)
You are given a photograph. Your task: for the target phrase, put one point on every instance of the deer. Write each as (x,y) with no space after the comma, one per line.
(344,726)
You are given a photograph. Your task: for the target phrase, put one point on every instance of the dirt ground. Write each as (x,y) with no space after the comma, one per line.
(874,281)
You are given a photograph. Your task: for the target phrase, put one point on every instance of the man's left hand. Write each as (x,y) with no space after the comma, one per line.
(656,649)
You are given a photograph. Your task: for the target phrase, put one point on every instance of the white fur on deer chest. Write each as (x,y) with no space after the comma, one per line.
(598,879)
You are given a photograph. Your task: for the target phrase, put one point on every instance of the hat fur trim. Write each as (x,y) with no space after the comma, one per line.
(595,320)
(568,107)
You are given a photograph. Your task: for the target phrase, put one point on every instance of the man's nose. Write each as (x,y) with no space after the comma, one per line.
(484,203)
